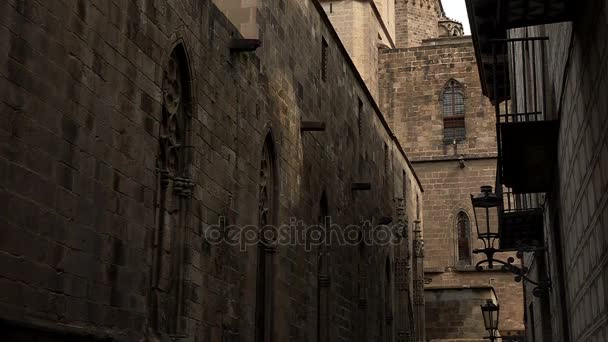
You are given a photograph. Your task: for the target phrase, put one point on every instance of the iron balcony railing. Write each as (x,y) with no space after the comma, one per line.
(523,62)
(519,64)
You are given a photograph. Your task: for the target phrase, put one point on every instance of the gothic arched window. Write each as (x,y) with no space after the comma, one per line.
(463,231)
(267,218)
(388,301)
(453,112)
(323,279)
(173,194)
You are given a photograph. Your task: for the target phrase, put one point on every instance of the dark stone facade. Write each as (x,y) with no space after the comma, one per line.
(412,82)
(129,129)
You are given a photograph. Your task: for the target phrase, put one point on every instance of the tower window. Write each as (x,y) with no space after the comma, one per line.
(453,112)
(463,231)
(324,48)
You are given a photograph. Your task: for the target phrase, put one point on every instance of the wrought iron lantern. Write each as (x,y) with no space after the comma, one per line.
(486,206)
(490,312)
(485,209)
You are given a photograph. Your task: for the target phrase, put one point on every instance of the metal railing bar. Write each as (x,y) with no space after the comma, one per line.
(525,74)
(534,76)
(518,39)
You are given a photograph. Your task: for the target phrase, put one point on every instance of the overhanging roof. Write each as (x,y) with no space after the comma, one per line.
(490,20)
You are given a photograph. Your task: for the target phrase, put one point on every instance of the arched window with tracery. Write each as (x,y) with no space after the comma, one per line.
(323,277)
(463,231)
(173,194)
(453,112)
(388,301)
(264,306)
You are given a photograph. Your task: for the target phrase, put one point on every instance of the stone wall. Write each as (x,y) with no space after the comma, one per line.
(508,292)
(577,210)
(447,192)
(242,14)
(412,81)
(416,20)
(454,313)
(386,8)
(363,30)
(88,86)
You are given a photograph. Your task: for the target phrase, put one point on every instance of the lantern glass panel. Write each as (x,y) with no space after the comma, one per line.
(490,312)
(485,207)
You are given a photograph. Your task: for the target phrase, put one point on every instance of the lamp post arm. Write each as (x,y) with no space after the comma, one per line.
(521,273)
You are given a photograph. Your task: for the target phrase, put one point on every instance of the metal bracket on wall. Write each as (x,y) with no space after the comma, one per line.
(312,126)
(244,45)
(521,273)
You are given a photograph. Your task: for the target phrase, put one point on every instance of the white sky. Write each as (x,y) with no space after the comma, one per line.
(456,9)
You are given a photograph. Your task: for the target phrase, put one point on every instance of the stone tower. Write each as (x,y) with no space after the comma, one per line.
(431,93)
(416,20)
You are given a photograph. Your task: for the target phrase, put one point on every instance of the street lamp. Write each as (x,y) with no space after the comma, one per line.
(485,209)
(486,206)
(490,312)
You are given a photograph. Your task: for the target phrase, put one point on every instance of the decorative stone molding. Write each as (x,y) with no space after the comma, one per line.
(173,193)
(450,28)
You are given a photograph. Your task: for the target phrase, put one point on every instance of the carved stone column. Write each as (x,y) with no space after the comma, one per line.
(173,193)
(403,315)
(419,282)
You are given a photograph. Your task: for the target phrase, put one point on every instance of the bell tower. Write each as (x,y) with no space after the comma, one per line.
(416,20)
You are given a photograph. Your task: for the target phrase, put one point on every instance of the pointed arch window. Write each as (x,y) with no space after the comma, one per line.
(173,193)
(463,231)
(453,112)
(323,281)
(388,300)
(265,272)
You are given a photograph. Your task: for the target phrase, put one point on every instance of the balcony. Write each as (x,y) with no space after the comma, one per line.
(527,137)
(512,72)
(521,221)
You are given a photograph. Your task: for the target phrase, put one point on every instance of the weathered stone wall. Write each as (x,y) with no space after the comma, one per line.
(454,314)
(509,293)
(577,211)
(242,14)
(416,20)
(85,90)
(363,30)
(412,81)
(386,8)
(447,191)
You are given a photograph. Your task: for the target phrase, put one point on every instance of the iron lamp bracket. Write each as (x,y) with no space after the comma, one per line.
(521,273)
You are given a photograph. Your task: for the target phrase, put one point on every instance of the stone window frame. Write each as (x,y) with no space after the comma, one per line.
(453,117)
(323,275)
(174,190)
(457,238)
(389,295)
(268,206)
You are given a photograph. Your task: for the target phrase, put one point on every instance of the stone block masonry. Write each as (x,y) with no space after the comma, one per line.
(116,114)
(412,84)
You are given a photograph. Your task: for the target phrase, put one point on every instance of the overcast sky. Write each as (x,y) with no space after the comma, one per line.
(456,9)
